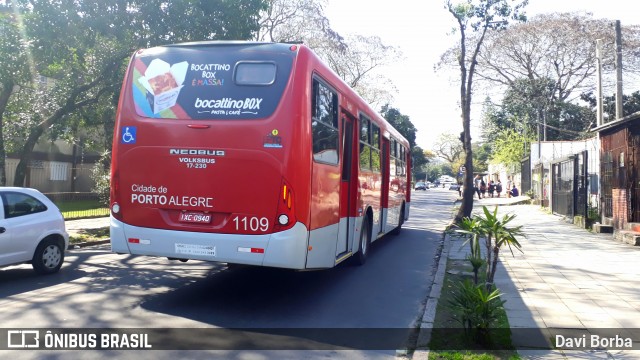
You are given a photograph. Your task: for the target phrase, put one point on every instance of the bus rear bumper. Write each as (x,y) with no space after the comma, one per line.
(285,249)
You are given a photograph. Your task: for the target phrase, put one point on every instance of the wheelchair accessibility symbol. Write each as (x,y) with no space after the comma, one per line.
(129,135)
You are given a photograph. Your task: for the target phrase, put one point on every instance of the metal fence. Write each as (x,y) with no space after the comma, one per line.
(69,187)
(525,175)
(569,186)
(79,205)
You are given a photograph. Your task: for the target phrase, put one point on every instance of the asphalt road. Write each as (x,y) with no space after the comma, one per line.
(97,289)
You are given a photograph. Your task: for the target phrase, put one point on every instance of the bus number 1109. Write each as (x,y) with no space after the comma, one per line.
(253,223)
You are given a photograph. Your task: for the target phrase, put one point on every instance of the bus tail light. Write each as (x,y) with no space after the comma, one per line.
(285,217)
(115,187)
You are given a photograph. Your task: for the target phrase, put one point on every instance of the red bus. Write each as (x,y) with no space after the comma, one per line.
(251,153)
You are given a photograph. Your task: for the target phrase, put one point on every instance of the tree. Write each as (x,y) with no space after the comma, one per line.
(478,16)
(449,147)
(357,65)
(400,122)
(630,104)
(481,156)
(510,147)
(546,64)
(302,20)
(405,127)
(83,46)
(14,70)
(529,107)
(355,58)
(556,47)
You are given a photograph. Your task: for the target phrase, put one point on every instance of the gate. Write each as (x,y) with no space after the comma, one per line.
(525,175)
(569,186)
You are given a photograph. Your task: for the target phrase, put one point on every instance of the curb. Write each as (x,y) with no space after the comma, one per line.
(87,244)
(428,317)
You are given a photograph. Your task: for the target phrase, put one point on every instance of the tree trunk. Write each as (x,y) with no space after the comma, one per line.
(5,94)
(494,265)
(25,156)
(489,244)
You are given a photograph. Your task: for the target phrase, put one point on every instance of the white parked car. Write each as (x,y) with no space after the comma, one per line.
(31,230)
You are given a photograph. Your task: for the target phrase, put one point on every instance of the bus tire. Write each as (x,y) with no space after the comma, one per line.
(364,244)
(397,230)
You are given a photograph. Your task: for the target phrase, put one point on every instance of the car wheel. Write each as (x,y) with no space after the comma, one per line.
(48,257)
(365,242)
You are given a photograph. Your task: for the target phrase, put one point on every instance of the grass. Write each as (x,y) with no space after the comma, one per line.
(449,335)
(467,355)
(89,235)
(82,209)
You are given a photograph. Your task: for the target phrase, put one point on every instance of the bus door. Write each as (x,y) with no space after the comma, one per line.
(347,185)
(384,168)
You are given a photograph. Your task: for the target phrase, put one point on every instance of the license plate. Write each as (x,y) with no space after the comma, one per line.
(195,217)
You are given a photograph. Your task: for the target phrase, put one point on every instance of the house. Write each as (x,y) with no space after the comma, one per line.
(620,183)
(56,167)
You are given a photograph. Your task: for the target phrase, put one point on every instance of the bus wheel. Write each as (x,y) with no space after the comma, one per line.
(365,243)
(396,231)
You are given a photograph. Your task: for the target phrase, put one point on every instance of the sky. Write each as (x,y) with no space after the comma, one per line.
(420,29)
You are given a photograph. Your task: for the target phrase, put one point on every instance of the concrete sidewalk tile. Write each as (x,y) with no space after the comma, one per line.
(635,304)
(562,320)
(541,354)
(553,309)
(586,354)
(583,306)
(604,323)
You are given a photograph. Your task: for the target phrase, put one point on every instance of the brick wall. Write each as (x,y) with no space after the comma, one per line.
(620,208)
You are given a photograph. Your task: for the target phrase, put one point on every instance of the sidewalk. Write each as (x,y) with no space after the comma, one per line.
(75,226)
(568,283)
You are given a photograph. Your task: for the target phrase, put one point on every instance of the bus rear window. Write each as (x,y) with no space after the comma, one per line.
(255,73)
(210,82)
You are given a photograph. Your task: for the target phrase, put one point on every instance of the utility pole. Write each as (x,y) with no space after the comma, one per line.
(619,113)
(599,90)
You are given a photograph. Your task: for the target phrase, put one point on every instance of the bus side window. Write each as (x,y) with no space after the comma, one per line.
(324,124)
(365,150)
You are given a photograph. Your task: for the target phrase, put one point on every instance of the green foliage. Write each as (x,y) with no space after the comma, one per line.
(497,233)
(400,122)
(448,334)
(433,170)
(593,213)
(509,147)
(481,155)
(531,194)
(476,308)
(101,178)
(82,47)
(630,104)
(471,230)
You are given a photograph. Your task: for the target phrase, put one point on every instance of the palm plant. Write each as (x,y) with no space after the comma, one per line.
(497,233)
(477,308)
(471,230)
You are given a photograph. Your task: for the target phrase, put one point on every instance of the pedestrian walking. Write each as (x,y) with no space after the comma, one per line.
(498,187)
(476,185)
(492,188)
